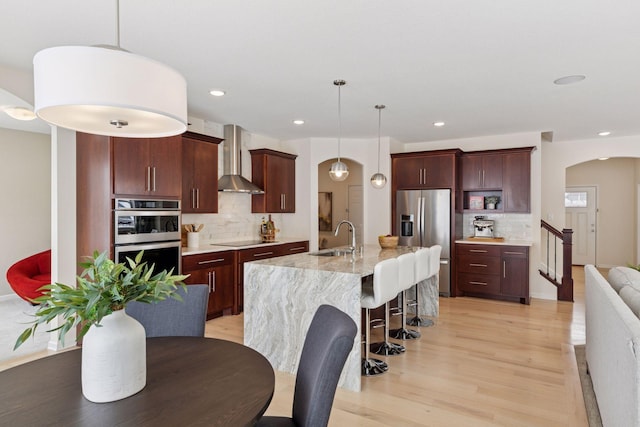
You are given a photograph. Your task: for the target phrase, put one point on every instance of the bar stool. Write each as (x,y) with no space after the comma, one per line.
(384,272)
(427,266)
(393,286)
(406,279)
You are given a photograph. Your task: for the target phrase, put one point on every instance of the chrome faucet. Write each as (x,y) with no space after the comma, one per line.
(353,233)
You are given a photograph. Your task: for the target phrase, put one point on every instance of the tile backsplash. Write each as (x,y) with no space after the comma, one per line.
(234,220)
(509,226)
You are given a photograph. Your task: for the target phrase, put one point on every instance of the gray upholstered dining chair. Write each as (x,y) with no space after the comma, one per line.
(171,317)
(326,347)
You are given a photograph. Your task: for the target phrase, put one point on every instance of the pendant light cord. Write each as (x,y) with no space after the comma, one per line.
(118,24)
(379,120)
(339,120)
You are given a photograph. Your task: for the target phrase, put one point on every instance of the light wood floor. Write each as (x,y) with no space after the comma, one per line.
(485,363)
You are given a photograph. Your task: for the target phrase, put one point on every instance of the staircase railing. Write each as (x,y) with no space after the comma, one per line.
(554,238)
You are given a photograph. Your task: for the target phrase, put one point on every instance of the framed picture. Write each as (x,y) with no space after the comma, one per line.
(325,207)
(476,202)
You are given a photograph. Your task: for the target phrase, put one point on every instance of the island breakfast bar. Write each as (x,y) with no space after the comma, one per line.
(282,294)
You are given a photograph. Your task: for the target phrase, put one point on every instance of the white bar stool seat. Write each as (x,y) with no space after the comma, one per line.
(406,279)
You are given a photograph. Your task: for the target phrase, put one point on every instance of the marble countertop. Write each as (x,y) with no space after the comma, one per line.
(505,242)
(213,247)
(360,264)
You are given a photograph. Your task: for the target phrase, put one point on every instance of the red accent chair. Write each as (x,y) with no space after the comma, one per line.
(30,274)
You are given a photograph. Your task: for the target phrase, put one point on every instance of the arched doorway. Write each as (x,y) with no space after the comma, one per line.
(339,201)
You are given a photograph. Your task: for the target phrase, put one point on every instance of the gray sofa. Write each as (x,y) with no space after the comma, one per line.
(613,343)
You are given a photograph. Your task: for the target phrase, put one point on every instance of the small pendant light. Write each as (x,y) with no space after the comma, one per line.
(339,170)
(378,180)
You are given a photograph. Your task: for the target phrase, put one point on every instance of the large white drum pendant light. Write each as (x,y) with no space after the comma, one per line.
(107,91)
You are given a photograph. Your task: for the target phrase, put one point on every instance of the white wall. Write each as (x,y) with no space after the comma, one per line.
(25,174)
(557,157)
(615,180)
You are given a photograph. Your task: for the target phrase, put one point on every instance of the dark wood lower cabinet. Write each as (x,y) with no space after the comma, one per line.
(223,272)
(493,271)
(263,252)
(217,270)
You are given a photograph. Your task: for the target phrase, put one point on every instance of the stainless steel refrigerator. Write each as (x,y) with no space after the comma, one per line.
(423,218)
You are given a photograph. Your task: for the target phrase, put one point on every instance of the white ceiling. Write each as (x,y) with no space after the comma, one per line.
(484,67)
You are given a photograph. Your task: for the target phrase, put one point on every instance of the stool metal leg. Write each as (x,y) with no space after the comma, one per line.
(417,320)
(387,348)
(371,366)
(404,333)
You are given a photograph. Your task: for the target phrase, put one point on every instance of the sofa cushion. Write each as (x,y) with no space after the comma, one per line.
(619,277)
(631,297)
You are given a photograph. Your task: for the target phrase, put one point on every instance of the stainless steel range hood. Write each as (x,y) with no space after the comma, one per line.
(232,181)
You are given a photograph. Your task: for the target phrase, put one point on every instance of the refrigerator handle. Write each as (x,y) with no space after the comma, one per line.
(421,219)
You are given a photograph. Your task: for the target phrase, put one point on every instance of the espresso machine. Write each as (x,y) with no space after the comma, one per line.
(483,227)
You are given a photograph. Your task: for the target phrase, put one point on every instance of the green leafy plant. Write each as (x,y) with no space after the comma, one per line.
(492,199)
(103,287)
(635,267)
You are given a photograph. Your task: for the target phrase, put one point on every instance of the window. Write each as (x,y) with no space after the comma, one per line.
(575,199)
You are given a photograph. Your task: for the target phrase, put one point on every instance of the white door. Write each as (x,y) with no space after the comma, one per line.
(356,214)
(580,215)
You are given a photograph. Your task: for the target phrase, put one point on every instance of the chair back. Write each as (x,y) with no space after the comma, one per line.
(385,279)
(406,271)
(422,264)
(329,341)
(171,317)
(434,260)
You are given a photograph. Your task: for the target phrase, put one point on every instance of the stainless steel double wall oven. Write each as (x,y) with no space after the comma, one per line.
(149,225)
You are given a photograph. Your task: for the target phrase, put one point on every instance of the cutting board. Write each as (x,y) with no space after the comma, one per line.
(486,239)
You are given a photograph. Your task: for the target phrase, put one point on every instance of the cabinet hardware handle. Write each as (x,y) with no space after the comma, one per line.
(209,280)
(298,248)
(210,261)
(262,254)
(420,176)
(477,265)
(284,201)
(483,177)
(480,251)
(154,179)
(478,283)
(425,176)
(197,198)
(514,253)
(193,196)
(504,269)
(213,280)
(147,185)
(479,177)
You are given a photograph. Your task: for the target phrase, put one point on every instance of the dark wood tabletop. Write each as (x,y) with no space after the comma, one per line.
(190,382)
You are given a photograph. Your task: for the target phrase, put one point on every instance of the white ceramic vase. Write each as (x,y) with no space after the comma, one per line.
(114,359)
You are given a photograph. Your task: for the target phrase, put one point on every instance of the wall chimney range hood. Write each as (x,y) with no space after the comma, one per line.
(232,181)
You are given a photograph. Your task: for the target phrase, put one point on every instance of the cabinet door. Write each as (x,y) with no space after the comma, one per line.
(289,186)
(516,182)
(275,183)
(275,173)
(222,289)
(166,162)
(438,171)
(515,272)
(408,172)
(482,171)
(199,176)
(131,168)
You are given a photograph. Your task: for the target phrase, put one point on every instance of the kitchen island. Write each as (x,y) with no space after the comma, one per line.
(282,295)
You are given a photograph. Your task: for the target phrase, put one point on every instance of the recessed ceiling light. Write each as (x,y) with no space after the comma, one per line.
(298,122)
(19,113)
(567,80)
(604,133)
(217,92)
(603,158)
(438,124)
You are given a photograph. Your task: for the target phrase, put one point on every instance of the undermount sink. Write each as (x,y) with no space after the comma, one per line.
(331,252)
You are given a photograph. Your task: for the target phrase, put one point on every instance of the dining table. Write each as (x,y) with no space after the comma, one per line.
(191,381)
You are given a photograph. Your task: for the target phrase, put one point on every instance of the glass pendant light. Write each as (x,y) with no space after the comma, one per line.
(378,180)
(339,170)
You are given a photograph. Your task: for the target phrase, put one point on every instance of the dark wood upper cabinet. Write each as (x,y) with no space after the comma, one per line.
(147,166)
(424,170)
(275,173)
(516,186)
(481,171)
(199,173)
